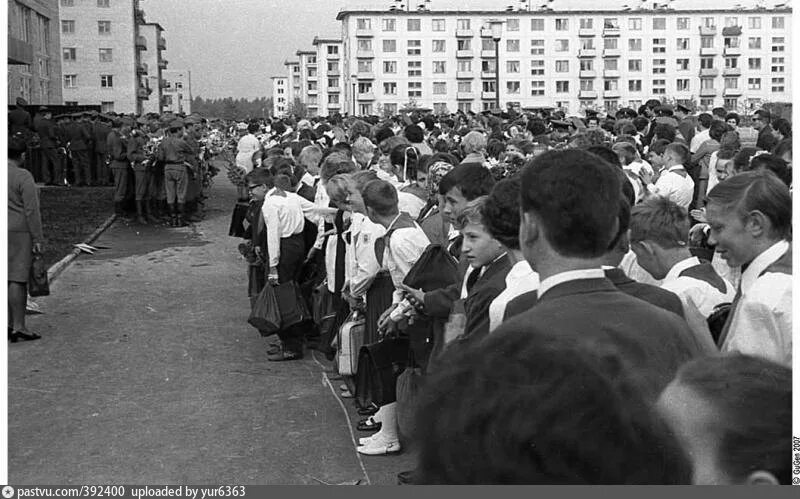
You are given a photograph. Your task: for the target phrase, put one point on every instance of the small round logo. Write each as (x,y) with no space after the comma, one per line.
(8,491)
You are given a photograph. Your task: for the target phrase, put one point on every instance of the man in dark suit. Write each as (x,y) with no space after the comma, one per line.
(79,138)
(19,120)
(766,137)
(100,131)
(52,166)
(570,206)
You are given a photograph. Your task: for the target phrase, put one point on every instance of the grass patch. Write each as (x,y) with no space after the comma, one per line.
(70,215)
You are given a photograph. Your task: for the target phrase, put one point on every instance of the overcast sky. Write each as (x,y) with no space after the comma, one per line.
(232,47)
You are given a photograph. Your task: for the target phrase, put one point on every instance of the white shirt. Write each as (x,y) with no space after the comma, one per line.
(762,322)
(409,203)
(697,140)
(362,263)
(677,188)
(632,269)
(519,280)
(570,275)
(712,172)
(283,217)
(247,145)
(404,249)
(307,179)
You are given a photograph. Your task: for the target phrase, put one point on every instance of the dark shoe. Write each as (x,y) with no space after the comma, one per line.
(369,424)
(284,355)
(173,221)
(406,477)
(180,222)
(368,411)
(274,348)
(24,336)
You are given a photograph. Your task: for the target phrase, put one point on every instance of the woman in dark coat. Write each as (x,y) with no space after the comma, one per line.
(25,238)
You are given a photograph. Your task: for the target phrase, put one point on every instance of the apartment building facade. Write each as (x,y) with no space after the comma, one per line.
(329,69)
(279,96)
(572,59)
(151,64)
(103,49)
(293,85)
(177,91)
(34,64)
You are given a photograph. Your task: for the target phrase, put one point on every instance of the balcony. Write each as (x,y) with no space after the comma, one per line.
(162,43)
(312,91)
(611,31)
(732,72)
(488,95)
(141,68)
(587,73)
(611,94)
(138,16)
(365,54)
(732,51)
(709,72)
(708,51)
(489,75)
(708,30)
(334,72)
(587,53)
(732,92)
(19,52)
(313,78)
(334,90)
(464,33)
(732,31)
(162,64)
(364,32)
(143,93)
(332,57)
(465,53)
(708,92)
(611,53)
(334,105)
(465,95)
(587,32)
(365,75)
(366,96)
(465,75)
(610,73)
(141,42)
(487,54)
(587,94)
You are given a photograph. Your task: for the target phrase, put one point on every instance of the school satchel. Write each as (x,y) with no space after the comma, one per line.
(264,314)
(435,269)
(291,304)
(379,365)
(351,339)
(236,228)
(716,321)
(38,285)
(409,384)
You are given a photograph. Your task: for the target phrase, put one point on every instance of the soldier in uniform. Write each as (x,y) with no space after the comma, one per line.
(141,173)
(78,141)
(560,134)
(51,166)
(116,145)
(174,152)
(195,182)
(19,120)
(158,196)
(100,131)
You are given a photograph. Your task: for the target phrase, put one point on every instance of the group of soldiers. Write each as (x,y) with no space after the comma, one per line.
(159,162)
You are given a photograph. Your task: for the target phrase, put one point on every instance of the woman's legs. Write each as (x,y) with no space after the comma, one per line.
(17,297)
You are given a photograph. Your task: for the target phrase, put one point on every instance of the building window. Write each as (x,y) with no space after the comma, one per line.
(587,85)
(413,25)
(488,66)
(512,45)
(537,24)
(70,81)
(106,81)
(439,88)
(67,27)
(439,67)
(512,25)
(683,44)
(635,44)
(706,83)
(635,65)
(778,64)
(586,65)
(635,85)
(659,45)
(610,64)
(390,88)
(586,23)
(365,45)
(682,84)
(754,84)
(562,45)
(364,66)
(390,45)
(754,63)
(333,66)
(69,54)
(683,64)
(414,68)
(754,43)
(731,22)
(731,42)
(587,43)
(537,87)
(104,27)
(107,107)
(488,86)
(537,47)
(562,86)
(487,44)
(332,83)
(731,62)
(537,67)
(103,4)
(731,103)
(706,103)
(660,23)
(683,23)
(388,24)
(365,87)
(610,85)
(707,42)
(611,43)
(610,23)
(333,99)
(777,23)
(754,22)
(706,63)
(709,22)
(438,46)
(390,67)
(68,3)
(512,87)
(512,66)
(465,86)
(363,23)
(635,24)
(463,44)
(659,66)
(106,55)
(333,49)
(777,44)
(562,66)
(438,25)
(414,47)
(731,82)
(464,66)
(462,24)
(465,107)
(778,85)
(365,109)
(562,24)
(658,87)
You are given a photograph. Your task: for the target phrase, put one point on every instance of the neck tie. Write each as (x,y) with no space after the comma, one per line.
(473,278)
(732,311)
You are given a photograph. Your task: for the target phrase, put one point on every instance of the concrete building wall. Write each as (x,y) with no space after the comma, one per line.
(329,69)
(153,61)
(293,82)
(177,90)
(34,52)
(280,96)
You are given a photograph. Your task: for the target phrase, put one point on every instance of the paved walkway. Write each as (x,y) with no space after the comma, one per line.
(148,373)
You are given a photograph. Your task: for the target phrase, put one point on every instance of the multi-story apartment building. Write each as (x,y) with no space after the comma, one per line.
(151,63)
(102,50)
(177,90)
(309,80)
(280,95)
(329,70)
(573,59)
(293,85)
(34,64)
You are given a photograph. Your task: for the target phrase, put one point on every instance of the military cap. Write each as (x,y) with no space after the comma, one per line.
(21,101)
(176,123)
(683,109)
(561,124)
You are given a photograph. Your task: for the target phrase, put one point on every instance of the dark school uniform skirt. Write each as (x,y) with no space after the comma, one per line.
(292,256)
(20,256)
(379,298)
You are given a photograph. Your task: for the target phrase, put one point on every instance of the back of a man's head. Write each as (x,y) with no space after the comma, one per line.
(473,142)
(310,157)
(661,221)
(472,180)
(574,195)
(381,197)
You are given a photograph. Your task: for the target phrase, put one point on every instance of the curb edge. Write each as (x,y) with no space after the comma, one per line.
(58,267)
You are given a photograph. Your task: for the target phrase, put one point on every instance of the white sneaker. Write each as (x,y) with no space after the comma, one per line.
(379,448)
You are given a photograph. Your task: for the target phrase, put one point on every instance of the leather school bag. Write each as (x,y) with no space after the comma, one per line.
(351,339)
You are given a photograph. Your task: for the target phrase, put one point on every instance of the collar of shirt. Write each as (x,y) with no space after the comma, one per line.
(519,269)
(675,167)
(570,275)
(679,267)
(761,262)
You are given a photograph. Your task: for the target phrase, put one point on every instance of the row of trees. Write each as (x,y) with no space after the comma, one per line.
(233,109)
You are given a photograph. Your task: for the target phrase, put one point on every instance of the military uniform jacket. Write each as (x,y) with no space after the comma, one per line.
(48,133)
(100,131)
(78,136)
(117,149)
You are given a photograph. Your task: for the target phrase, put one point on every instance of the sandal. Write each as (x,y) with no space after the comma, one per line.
(24,336)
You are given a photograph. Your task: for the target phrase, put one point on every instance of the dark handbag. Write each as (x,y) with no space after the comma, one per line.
(324,309)
(409,384)
(379,365)
(435,269)
(265,315)
(291,305)
(237,219)
(38,284)
(716,321)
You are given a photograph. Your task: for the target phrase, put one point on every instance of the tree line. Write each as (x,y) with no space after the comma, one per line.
(233,109)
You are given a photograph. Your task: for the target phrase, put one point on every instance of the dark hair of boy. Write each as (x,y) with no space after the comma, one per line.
(260,176)
(414,134)
(380,196)
(500,212)
(473,180)
(574,194)
(773,163)
(604,152)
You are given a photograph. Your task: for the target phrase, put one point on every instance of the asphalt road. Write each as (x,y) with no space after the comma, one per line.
(148,373)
